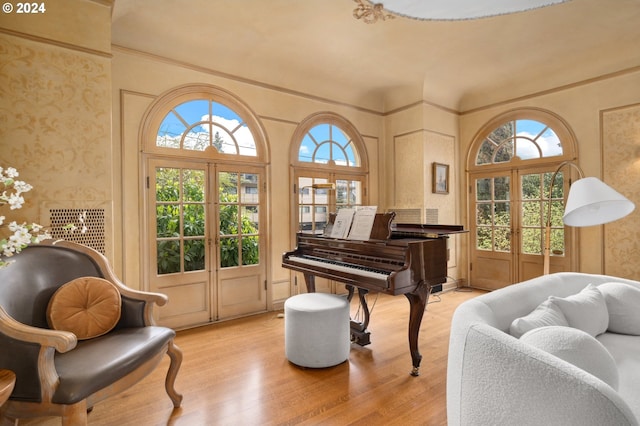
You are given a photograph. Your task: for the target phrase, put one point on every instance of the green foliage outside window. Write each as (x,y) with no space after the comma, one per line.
(180,223)
(493,215)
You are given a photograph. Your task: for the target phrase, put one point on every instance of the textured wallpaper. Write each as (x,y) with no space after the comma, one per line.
(55,125)
(621,170)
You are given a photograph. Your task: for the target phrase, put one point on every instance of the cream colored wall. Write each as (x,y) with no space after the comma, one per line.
(55,98)
(138,79)
(416,137)
(581,106)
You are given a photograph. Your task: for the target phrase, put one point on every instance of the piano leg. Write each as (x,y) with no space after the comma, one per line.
(310,281)
(359,333)
(418,302)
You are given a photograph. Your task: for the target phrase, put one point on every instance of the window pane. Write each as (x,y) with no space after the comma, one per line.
(228,191)
(196,141)
(531,213)
(323,153)
(250,250)
(483,214)
(483,189)
(485,153)
(504,153)
(193,111)
(193,185)
(502,214)
(501,188)
(351,155)
(526,149)
(339,156)
(229,252)
(168,257)
(502,239)
(483,238)
(193,220)
(167,220)
(194,255)
(170,132)
(246,142)
(307,147)
(550,144)
(229,219)
(320,133)
(249,188)
(531,187)
(167,184)
(250,219)
(503,133)
(532,240)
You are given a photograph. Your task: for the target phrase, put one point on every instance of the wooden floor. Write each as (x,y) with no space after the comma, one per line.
(235,373)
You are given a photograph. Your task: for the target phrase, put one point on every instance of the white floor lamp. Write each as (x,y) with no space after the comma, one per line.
(590,202)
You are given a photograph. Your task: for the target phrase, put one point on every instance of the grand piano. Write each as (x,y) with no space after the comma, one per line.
(398,259)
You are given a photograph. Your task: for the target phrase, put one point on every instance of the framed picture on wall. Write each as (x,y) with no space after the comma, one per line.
(440,178)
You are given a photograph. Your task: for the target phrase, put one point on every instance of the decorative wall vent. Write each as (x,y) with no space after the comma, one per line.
(431,216)
(94,221)
(407,216)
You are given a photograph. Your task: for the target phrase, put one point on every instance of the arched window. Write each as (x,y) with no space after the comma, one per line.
(522,138)
(204,158)
(327,149)
(511,162)
(203,124)
(202,121)
(328,144)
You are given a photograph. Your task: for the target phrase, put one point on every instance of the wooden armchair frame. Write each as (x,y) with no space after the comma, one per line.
(51,342)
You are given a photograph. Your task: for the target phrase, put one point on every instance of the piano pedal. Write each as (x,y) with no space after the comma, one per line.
(360,337)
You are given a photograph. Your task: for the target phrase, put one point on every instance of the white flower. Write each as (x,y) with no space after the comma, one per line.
(21,186)
(15,201)
(20,235)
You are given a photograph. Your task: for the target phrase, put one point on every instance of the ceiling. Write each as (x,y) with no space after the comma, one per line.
(318,48)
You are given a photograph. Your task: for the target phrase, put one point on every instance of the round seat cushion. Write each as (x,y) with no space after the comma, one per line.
(87,306)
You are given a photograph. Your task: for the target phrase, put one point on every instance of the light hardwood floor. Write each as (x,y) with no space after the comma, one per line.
(235,373)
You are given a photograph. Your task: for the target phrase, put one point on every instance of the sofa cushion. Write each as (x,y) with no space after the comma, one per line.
(576,347)
(623,305)
(586,311)
(87,306)
(545,314)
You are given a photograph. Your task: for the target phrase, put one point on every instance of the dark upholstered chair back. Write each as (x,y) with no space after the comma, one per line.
(36,273)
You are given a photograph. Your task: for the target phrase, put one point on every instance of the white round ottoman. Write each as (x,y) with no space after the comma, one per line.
(317,330)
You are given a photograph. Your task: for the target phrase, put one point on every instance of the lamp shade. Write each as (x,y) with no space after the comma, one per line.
(593,202)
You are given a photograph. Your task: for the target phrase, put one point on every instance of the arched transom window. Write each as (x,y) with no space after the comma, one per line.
(328,144)
(203,121)
(525,139)
(198,125)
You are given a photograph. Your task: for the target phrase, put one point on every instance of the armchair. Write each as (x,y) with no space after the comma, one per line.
(56,373)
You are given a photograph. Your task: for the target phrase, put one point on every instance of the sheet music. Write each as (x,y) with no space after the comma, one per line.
(362,223)
(342,223)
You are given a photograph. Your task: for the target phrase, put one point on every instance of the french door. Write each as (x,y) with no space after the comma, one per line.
(206,240)
(508,211)
(313,207)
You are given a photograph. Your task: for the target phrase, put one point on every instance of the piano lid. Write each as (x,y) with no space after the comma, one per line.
(425,230)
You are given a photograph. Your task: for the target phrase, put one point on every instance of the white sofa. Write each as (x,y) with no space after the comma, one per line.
(494,378)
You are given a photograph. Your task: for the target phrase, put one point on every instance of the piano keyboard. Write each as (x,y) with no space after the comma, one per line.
(341,266)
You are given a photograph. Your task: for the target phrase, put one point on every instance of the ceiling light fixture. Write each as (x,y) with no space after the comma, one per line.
(370,12)
(444,10)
